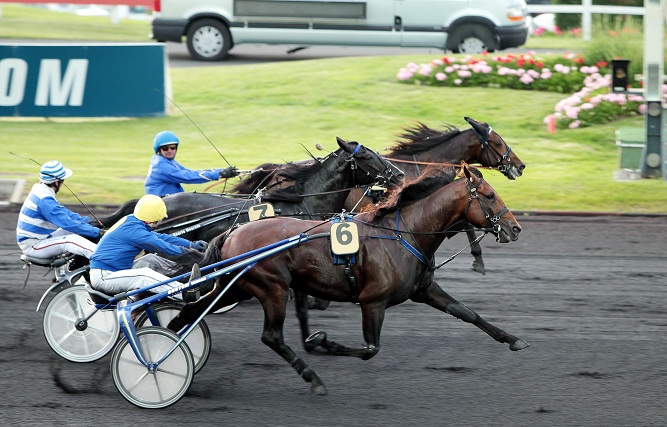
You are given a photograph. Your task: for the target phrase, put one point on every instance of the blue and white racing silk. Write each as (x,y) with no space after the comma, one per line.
(165,176)
(41,215)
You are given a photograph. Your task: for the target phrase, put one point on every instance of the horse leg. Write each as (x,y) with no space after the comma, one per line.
(372,318)
(301,306)
(272,335)
(436,297)
(476,251)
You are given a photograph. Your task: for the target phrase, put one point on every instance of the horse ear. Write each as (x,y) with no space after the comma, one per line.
(478,126)
(466,171)
(343,144)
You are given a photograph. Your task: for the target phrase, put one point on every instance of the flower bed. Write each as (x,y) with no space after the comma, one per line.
(591,103)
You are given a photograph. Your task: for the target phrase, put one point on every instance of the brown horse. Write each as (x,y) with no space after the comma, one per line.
(394,263)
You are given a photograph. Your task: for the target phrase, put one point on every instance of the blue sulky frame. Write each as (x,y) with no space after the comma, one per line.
(243,262)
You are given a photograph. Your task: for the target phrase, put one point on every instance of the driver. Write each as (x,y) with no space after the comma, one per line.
(45,228)
(113,268)
(165,174)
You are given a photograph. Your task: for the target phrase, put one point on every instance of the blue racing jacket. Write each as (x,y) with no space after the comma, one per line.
(127,238)
(165,176)
(41,215)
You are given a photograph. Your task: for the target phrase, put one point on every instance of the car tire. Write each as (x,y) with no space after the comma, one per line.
(208,40)
(472,39)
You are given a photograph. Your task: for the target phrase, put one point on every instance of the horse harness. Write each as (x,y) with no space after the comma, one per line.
(486,148)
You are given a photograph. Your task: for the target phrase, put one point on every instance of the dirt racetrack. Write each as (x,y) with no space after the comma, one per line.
(589,293)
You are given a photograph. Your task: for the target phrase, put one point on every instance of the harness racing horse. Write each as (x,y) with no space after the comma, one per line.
(421,145)
(395,262)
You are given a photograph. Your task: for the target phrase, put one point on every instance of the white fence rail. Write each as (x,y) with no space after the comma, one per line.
(586,9)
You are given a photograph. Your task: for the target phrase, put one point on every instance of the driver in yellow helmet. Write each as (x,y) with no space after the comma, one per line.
(113,268)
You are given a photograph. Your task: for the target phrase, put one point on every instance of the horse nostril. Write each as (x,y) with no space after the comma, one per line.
(521,168)
(516,229)
(400,176)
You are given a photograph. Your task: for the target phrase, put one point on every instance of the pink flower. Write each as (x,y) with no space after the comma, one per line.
(404,74)
(458,81)
(464,73)
(440,76)
(425,70)
(526,79)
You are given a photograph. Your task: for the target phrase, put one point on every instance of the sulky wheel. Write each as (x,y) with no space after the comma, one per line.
(199,340)
(70,335)
(170,380)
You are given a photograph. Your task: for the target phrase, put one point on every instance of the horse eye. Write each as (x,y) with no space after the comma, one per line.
(490,196)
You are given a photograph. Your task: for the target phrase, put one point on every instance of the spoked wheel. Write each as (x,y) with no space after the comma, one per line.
(199,340)
(158,389)
(73,338)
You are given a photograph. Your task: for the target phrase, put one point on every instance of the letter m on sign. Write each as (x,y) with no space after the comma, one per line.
(55,89)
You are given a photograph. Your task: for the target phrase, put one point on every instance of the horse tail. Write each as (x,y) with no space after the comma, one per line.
(212,255)
(124,210)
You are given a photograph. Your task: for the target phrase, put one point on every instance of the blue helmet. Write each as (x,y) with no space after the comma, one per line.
(53,171)
(164,138)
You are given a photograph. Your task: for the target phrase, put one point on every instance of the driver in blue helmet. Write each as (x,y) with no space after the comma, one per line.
(165,174)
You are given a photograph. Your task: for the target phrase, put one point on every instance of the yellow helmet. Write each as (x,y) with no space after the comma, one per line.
(150,208)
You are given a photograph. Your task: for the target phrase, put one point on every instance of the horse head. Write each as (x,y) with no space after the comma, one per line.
(369,166)
(496,152)
(486,209)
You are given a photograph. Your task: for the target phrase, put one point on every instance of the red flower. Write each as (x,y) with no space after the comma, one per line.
(579,61)
(520,62)
(539,64)
(602,64)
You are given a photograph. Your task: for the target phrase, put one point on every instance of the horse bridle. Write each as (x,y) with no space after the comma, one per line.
(492,218)
(381,178)
(486,147)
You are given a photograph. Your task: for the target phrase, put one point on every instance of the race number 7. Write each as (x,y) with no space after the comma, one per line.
(263,210)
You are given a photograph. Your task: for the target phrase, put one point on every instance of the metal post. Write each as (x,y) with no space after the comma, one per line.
(653,156)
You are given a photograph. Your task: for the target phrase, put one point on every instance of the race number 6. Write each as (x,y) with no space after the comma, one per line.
(344,238)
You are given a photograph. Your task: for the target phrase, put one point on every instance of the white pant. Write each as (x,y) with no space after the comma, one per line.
(60,242)
(139,276)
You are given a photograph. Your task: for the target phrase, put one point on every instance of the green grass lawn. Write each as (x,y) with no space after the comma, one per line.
(267,113)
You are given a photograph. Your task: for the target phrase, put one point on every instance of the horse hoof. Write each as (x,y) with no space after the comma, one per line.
(316,339)
(318,390)
(478,267)
(317,304)
(519,345)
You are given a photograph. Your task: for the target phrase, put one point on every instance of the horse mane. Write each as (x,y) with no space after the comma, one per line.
(422,138)
(428,182)
(258,178)
(299,173)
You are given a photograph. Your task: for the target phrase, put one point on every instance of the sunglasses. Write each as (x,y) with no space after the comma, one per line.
(169,147)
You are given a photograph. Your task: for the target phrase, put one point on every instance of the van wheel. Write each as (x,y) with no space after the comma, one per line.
(472,39)
(208,40)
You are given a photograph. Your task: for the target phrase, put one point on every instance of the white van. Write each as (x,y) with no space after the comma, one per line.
(213,27)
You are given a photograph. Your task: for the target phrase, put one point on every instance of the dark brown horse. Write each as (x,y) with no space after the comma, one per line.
(394,263)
